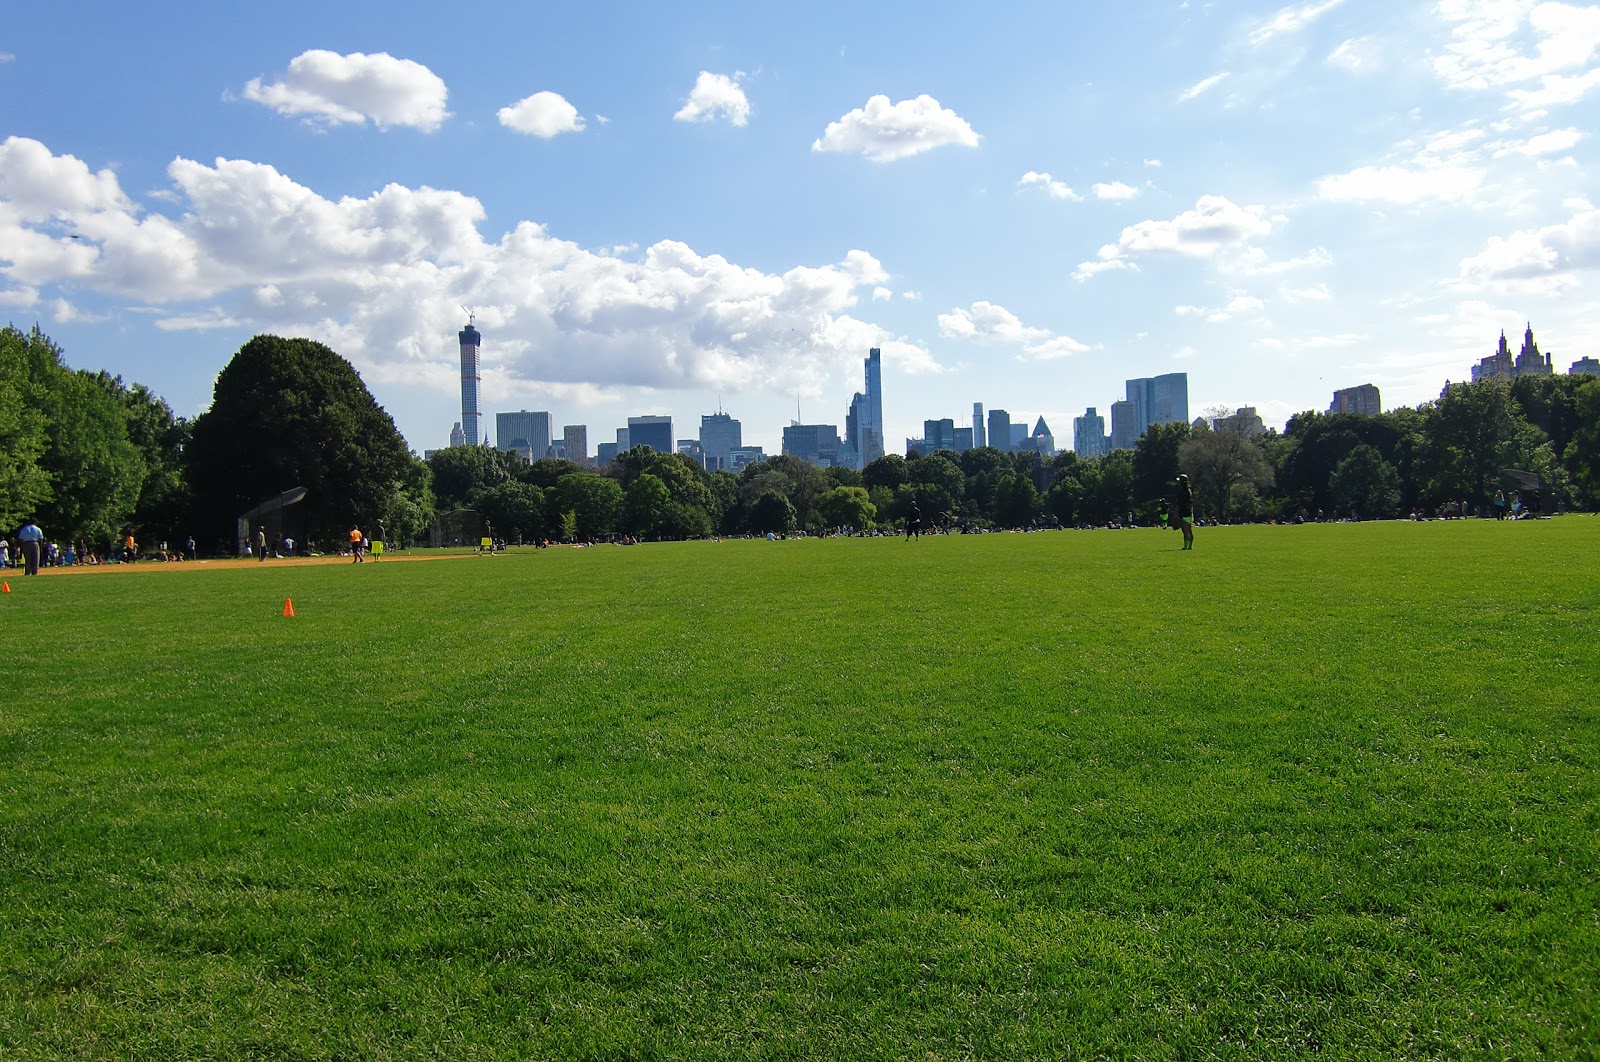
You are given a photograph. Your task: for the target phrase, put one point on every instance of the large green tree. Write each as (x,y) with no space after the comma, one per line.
(291,413)
(1583,451)
(1155,463)
(1219,464)
(95,470)
(848,507)
(594,501)
(24,486)
(460,473)
(1471,433)
(1365,485)
(161,438)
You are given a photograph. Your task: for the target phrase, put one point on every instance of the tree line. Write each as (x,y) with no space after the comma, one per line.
(91,457)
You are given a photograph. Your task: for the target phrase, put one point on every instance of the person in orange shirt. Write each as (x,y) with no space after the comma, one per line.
(355,545)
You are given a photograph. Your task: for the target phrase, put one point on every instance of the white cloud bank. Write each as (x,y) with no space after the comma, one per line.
(1213,224)
(1488,50)
(332,89)
(381,278)
(1539,260)
(543,114)
(986,322)
(715,96)
(886,132)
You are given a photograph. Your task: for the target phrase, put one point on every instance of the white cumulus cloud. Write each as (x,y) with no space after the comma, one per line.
(543,114)
(332,89)
(1057,189)
(1541,260)
(1215,223)
(885,132)
(1115,190)
(1405,185)
(375,276)
(715,96)
(987,322)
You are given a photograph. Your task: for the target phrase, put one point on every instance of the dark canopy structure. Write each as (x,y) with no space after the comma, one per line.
(275,517)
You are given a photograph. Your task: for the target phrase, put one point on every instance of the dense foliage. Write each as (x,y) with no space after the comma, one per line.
(90,457)
(290,413)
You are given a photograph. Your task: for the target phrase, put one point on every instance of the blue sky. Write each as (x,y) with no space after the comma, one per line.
(659,208)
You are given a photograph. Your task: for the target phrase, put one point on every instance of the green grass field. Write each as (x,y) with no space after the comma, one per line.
(1327,789)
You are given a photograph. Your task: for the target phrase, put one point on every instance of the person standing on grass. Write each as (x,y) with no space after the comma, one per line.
(30,538)
(355,545)
(261,544)
(913,522)
(1183,510)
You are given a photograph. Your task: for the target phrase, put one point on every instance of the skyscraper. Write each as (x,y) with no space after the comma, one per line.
(471,342)
(1124,426)
(1156,400)
(523,433)
(457,436)
(863,424)
(979,439)
(817,444)
(720,435)
(1043,440)
(1089,434)
(575,438)
(999,429)
(652,431)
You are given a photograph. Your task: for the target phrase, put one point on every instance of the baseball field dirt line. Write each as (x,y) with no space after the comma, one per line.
(235,563)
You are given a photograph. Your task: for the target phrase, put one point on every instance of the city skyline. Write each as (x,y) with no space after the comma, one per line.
(661,210)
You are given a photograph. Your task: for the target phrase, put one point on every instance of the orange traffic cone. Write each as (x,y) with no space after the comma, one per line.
(288,607)
(5,587)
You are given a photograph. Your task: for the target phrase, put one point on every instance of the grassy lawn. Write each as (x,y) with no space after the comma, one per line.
(1329,789)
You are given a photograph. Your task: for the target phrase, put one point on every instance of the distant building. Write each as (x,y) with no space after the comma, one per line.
(980,438)
(471,344)
(740,456)
(1585,367)
(1243,421)
(1501,366)
(623,442)
(457,436)
(523,433)
(1124,426)
(1364,399)
(1089,434)
(652,431)
(863,422)
(999,429)
(963,440)
(816,444)
(575,441)
(604,454)
(1042,441)
(720,435)
(690,448)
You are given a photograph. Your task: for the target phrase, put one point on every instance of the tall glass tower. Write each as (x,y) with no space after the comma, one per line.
(471,341)
(872,411)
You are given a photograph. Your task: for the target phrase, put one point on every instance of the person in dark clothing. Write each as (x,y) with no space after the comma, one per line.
(1183,510)
(913,522)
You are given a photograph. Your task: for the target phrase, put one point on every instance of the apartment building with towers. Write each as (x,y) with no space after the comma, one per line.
(471,379)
